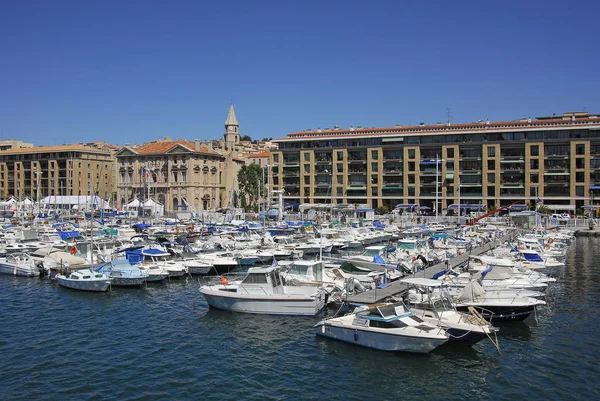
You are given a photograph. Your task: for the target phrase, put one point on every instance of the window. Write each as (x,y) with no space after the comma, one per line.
(534,164)
(340,192)
(580,149)
(374,154)
(340,155)
(580,163)
(374,192)
(307,180)
(491,150)
(450,153)
(374,167)
(535,150)
(579,191)
(535,178)
(374,179)
(491,178)
(184,176)
(307,157)
(340,167)
(491,165)
(411,153)
(307,168)
(276,158)
(580,177)
(411,166)
(491,191)
(340,179)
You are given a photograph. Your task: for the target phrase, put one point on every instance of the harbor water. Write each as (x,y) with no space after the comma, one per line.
(163,342)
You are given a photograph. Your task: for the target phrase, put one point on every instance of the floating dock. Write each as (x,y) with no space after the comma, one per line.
(397,287)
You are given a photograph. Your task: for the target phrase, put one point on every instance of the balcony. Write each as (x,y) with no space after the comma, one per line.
(292,174)
(322,184)
(361,171)
(291,163)
(323,161)
(392,172)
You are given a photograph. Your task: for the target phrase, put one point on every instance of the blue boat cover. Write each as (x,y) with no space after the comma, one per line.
(532,257)
(68,234)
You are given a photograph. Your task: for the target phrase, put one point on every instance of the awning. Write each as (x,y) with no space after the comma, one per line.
(546,173)
(393,139)
(595,187)
(508,186)
(512,161)
(392,187)
(467,206)
(433,162)
(357,188)
(407,206)
(518,207)
(470,185)
(560,207)
(449,176)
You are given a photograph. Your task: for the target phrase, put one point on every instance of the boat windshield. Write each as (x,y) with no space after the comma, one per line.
(371,252)
(299,269)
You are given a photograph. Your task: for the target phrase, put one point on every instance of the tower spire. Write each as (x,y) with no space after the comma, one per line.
(231,120)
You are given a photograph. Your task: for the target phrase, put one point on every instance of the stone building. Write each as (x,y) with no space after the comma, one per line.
(180,174)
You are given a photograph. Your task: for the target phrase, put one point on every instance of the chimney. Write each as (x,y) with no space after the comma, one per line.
(197,145)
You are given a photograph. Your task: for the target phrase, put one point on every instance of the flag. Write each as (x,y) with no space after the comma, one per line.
(539,200)
(274,261)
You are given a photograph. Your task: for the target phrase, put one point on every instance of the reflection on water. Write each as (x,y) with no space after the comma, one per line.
(163,342)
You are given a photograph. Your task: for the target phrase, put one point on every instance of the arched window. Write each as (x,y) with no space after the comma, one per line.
(175,203)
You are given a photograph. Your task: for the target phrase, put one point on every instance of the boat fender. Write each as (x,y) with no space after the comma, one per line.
(551,240)
(355,335)
(73,250)
(224,280)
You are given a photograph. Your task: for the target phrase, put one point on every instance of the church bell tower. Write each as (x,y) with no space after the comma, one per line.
(232,135)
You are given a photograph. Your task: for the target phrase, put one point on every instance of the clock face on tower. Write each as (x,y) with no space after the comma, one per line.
(231,128)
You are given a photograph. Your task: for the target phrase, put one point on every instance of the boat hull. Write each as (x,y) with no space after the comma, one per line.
(379,341)
(279,304)
(97,286)
(15,270)
(508,312)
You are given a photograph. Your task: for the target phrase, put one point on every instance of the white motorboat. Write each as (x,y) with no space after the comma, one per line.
(123,273)
(386,327)
(429,300)
(84,280)
(193,264)
(263,291)
(162,259)
(518,308)
(20,264)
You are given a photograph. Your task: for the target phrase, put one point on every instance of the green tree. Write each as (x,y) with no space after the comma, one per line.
(245,138)
(382,210)
(544,210)
(250,177)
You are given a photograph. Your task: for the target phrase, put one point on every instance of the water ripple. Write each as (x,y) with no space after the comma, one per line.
(163,342)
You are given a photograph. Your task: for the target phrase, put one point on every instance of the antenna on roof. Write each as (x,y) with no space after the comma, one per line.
(448,115)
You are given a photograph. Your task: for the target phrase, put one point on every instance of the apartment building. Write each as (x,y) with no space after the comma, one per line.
(554,159)
(37,172)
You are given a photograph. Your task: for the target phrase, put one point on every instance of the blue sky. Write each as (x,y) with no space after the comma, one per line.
(135,71)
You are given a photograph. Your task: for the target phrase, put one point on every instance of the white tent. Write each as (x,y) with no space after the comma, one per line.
(154,207)
(133,205)
(74,202)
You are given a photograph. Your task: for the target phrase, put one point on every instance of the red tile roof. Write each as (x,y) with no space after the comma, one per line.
(262,154)
(164,146)
(440,128)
